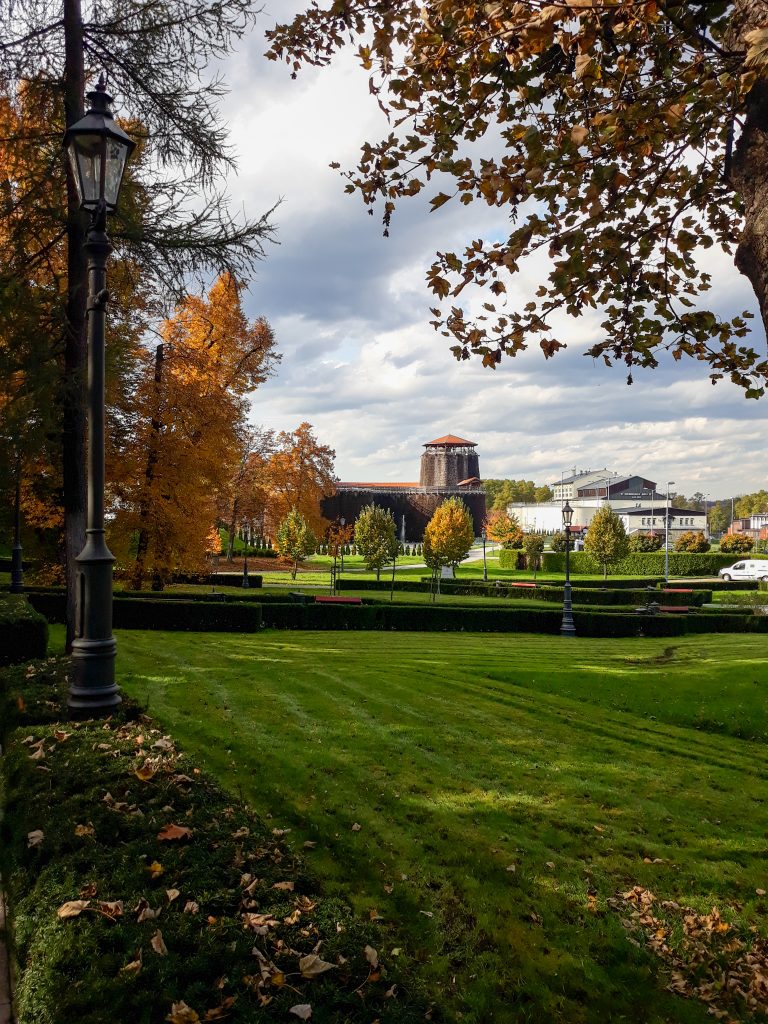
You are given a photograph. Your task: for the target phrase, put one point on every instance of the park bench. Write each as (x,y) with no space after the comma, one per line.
(529,585)
(328,599)
(676,590)
(653,607)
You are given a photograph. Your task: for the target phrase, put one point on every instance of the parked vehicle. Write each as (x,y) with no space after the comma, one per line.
(746,569)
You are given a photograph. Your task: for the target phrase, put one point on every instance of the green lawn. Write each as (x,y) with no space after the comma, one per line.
(506,789)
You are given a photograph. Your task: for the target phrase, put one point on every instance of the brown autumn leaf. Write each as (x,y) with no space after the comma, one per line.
(155,869)
(72,908)
(146,772)
(134,966)
(182,1014)
(111,908)
(287,886)
(85,830)
(158,944)
(35,837)
(88,890)
(311,966)
(372,956)
(60,735)
(172,894)
(356,827)
(302,1010)
(760,892)
(190,907)
(171,832)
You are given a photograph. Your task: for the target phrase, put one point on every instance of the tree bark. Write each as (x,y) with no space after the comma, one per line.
(75,343)
(749,168)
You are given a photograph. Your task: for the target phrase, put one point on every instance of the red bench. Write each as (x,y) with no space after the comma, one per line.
(328,599)
(534,585)
(674,590)
(673,608)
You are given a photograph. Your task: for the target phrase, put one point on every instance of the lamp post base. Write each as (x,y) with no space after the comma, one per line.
(567,628)
(17,570)
(93,691)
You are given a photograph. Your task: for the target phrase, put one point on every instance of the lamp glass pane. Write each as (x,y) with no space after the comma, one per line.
(85,155)
(113,172)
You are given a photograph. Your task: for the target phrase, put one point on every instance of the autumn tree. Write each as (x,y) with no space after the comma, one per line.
(748,504)
(533,545)
(295,540)
(692,541)
(299,474)
(736,544)
(188,432)
(449,535)
(606,539)
(174,223)
(376,537)
(505,529)
(623,140)
(645,542)
(243,501)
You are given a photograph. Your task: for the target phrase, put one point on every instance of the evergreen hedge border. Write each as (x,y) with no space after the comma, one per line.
(637,563)
(24,631)
(174,615)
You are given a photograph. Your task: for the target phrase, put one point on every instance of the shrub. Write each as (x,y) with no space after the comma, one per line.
(510,558)
(557,541)
(692,541)
(639,563)
(533,545)
(23,629)
(645,542)
(736,544)
(152,612)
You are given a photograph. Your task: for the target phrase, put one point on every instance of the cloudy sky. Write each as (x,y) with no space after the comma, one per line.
(350,309)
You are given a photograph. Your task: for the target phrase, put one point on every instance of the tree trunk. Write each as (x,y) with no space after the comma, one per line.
(73,396)
(749,168)
(231,532)
(145,506)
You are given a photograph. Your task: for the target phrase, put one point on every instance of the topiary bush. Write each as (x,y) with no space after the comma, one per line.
(23,629)
(736,544)
(692,541)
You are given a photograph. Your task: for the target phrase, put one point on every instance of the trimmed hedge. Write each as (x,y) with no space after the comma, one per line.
(642,563)
(23,630)
(223,579)
(175,615)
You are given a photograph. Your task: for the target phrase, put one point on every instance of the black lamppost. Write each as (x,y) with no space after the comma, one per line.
(666,534)
(246,584)
(484,535)
(567,628)
(17,555)
(97,149)
(343,523)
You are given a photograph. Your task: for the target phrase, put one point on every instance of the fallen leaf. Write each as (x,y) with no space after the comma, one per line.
(288,886)
(182,1014)
(174,832)
(134,966)
(172,894)
(280,831)
(551,865)
(85,830)
(163,744)
(760,892)
(111,908)
(88,890)
(372,956)
(598,828)
(311,965)
(73,908)
(35,837)
(38,755)
(427,913)
(155,869)
(158,945)
(190,907)
(356,827)
(146,772)
(302,1010)
(60,735)
(391,992)
(310,844)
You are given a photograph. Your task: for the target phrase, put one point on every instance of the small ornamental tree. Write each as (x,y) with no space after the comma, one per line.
(645,542)
(449,535)
(505,529)
(533,545)
(736,544)
(557,541)
(376,537)
(692,541)
(606,538)
(295,539)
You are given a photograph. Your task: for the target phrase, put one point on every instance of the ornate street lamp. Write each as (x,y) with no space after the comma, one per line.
(343,523)
(567,628)
(666,535)
(17,555)
(97,149)
(247,533)
(484,535)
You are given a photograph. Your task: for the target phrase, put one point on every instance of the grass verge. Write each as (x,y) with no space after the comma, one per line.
(534,819)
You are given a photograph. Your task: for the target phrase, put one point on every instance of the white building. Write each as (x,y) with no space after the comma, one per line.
(636,501)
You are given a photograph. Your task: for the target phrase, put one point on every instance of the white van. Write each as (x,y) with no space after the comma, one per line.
(753,569)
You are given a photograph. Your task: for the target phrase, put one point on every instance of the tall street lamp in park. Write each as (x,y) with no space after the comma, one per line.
(567,628)
(97,149)
(484,535)
(246,583)
(666,534)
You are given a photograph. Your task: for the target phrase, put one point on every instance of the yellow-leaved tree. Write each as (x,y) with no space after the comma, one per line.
(188,431)
(299,475)
(449,535)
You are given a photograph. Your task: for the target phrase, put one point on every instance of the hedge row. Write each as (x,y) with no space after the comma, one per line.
(593,596)
(638,563)
(137,613)
(223,579)
(23,630)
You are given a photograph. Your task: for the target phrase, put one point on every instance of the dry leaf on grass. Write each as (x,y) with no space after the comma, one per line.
(302,1010)
(158,945)
(190,907)
(172,894)
(85,830)
(288,886)
(155,869)
(72,908)
(356,827)
(35,837)
(182,1014)
(372,956)
(311,966)
(174,832)
(146,772)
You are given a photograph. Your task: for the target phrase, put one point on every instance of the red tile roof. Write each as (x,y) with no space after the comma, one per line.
(451,439)
(469,480)
(387,486)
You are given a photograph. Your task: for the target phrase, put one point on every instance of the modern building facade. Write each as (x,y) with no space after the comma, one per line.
(449,468)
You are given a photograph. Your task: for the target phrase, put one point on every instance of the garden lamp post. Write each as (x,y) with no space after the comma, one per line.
(343,523)
(484,535)
(17,555)
(567,628)
(666,534)
(246,584)
(97,149)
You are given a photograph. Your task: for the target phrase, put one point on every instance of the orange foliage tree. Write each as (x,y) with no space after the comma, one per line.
(188,431)
(299,475)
